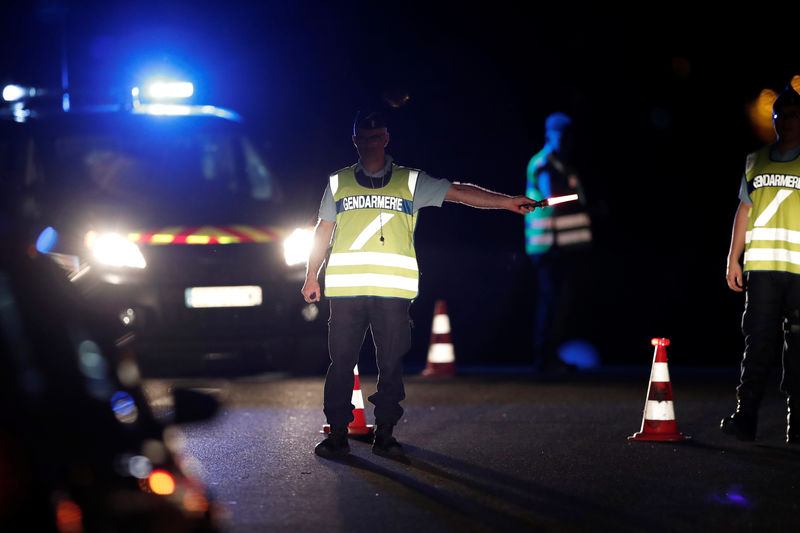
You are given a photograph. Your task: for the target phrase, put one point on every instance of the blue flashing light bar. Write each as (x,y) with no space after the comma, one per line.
(166,97)
(157,97)
(186,110)
(168,89)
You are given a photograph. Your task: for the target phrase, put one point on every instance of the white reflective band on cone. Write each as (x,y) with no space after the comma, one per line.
(441,324)
(441,353)
(659,410)
(659,373)
(358,399)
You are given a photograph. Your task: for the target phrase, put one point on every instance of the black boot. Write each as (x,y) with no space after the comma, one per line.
(335,444)
(742,424)
(792,429)
(384,444)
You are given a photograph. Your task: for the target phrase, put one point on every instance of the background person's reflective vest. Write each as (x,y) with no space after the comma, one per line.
(361,264)
(568,224)
(772,241)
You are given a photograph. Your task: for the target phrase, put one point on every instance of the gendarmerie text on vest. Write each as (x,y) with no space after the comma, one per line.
(776,180)
(374,201)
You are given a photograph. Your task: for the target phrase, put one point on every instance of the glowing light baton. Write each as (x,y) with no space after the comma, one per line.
(552,201)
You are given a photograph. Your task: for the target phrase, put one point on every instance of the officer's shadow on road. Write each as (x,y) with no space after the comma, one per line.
(492,497)
(762,453)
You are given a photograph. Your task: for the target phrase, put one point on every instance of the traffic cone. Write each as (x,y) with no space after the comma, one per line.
(441,356)
(358,427)
(658,422)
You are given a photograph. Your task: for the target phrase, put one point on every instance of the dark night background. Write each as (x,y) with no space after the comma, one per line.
(659,95)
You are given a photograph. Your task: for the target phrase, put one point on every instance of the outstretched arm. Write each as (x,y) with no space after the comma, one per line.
(474,196)
(322,238)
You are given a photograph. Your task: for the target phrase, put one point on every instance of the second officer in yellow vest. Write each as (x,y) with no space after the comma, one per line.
(767,230)
(369,211)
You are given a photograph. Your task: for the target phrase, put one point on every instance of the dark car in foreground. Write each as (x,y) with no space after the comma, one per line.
(80,449)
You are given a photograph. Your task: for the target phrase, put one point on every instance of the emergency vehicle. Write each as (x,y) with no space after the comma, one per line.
(166,215)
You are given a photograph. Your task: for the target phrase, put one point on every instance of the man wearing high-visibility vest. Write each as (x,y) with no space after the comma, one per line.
(556,240)
(767,230)
(371,276)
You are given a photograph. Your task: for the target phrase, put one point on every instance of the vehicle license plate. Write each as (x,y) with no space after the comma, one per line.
(241,296)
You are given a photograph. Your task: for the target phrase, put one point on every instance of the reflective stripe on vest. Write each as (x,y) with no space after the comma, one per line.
(360,263)
(563,230)
(772,240)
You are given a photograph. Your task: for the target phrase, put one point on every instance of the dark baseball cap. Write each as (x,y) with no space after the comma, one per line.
(369,120)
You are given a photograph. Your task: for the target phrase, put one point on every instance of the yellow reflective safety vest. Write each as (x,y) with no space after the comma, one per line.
(772,241)
(373,244)
(567,225)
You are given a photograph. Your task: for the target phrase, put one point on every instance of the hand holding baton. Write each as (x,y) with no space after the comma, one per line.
(552,201)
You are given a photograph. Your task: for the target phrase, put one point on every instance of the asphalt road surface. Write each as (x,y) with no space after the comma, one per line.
(497,453)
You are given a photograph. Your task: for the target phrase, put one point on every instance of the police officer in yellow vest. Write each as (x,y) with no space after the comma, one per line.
(767,230)
(371,276)
(556,241)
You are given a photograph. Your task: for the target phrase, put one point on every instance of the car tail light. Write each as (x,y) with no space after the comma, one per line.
(161,482)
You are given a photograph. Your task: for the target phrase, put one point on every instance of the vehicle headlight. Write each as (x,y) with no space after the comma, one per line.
(115,250)
(297,246)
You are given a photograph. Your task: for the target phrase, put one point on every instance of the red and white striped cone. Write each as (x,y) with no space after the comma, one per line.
(658,421)
(441,356)
(358,427)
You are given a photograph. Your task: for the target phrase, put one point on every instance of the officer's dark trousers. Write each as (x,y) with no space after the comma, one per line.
(562,278)
(389,321)
(771,297)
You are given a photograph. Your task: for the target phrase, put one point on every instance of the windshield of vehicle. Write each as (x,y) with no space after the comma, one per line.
(180,161)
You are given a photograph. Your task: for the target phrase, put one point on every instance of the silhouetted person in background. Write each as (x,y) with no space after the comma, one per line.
(557,241)
(767,229)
